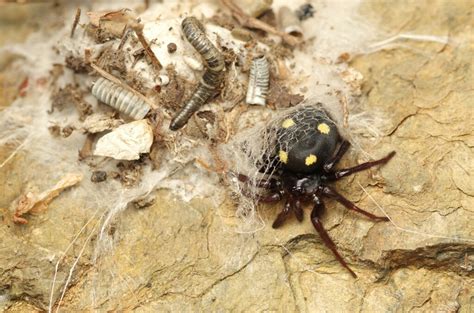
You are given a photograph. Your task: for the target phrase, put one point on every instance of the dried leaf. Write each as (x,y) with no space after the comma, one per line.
(113,22)
(126,142)
(34,203)
(97,123)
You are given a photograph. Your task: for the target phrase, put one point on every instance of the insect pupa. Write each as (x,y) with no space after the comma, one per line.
(258,81)
(120,99)
(211,81)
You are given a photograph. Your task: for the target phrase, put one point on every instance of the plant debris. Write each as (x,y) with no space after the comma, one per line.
(64,132)
(138,28)
(279,95)
(70,94)
(129,174)
(105,26)
(32,202)
(126,142)
(172,95)
(86,150)
(77,64)
(97,123)
(252,22)
(112,60)
(77,17)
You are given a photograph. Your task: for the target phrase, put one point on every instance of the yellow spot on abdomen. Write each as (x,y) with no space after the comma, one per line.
(287,123)
(283,156)
(310,159)
(324,128)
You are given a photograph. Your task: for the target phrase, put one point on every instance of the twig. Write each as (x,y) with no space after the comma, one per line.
(126,32)
(345,110)
(251,22)
(88,56)
(114,79)
(138,28)
(86,150)
(76,21)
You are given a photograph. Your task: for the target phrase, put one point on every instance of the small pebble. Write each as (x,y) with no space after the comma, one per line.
(98,176)
(172,47)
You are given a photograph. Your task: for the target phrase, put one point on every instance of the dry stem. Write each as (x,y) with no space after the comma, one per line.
(76,21)
(138,28)
(251,22)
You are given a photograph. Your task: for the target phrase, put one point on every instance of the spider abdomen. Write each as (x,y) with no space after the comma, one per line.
(306,139)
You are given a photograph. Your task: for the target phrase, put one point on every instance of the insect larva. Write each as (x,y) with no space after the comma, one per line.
(120,99)
(211,81)
(258,82)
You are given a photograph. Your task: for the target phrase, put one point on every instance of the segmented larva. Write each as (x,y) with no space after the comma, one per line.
(210,83)
(120,99)
(258,82)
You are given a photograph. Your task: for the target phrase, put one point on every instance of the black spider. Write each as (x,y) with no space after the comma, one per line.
(308,146)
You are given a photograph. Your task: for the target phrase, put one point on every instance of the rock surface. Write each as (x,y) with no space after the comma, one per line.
(188,257)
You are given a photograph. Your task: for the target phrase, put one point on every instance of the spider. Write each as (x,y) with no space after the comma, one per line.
(308,146)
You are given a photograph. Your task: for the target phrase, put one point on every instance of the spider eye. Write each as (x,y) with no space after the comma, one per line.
(298,189)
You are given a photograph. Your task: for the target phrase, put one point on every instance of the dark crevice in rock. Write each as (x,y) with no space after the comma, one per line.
(448,257)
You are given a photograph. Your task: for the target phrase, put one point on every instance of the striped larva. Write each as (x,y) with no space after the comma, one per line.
(120,99)
(258,82)
(210,83)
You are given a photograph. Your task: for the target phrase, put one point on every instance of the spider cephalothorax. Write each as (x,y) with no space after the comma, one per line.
(308,146)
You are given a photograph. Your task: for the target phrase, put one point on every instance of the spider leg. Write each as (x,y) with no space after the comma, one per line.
(331,193)
(318,209)
(267,198)
(298,209)
(273,197)
(282,216)
(268,184)
(361,167)
(337,157)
